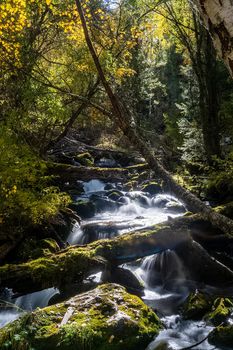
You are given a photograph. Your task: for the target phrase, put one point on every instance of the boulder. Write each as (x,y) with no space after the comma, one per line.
(85,159)
(84,208)
(152,188)
(196,306)
(175,207)
(124,277)
(114,194)
(103,203)
(102,319)
(222,336)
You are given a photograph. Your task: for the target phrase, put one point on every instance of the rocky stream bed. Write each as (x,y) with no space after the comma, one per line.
(163,301)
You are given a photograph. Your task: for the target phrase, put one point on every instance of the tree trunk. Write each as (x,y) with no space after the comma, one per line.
(126,124)
(67,172)
(218,18)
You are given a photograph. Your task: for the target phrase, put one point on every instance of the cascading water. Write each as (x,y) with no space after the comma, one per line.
(13,308)
(133,210)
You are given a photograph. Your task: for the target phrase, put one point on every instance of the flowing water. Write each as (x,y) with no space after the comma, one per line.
(135,211)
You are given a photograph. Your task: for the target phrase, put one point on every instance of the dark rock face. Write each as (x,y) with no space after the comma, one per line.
(84,208)
(103,319)
(152,188)
(125,278)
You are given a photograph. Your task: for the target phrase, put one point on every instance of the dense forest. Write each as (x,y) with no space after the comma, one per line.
(116,175)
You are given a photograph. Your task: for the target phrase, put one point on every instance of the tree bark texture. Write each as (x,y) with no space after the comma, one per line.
(218,18)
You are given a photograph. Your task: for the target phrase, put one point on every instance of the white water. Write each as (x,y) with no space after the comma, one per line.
(139,211)
(182,334)
(29,302)
(93,186)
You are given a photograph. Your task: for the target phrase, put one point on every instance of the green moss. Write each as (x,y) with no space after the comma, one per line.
(107,318)
(226,209)
(222,336)
(221,310)
(196,306)
(85,159)
(131,185)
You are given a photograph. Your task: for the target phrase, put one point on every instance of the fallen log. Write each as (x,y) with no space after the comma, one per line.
(66,172)
(75,263)
(78,262)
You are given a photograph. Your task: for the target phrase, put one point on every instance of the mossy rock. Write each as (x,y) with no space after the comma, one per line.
(131,185)
(152,188)
(106,318)
(84,208)
(221,310)
(114,195)
(222,336)
(196,306)
(85,159)
(175,207)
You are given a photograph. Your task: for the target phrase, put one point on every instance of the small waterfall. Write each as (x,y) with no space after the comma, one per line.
(13,308)
(76,235)
(93,186)
(38,299)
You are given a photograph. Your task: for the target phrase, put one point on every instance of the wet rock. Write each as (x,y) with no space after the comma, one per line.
(84,208)
(104,318)
(103,203)
(125,278)
(85,159)
(140,197)
(114,194)
(131,185)
(160,201)
(95,231)
(221,310)
(196,306)
(109,187)
(152,188)
(175,207)
(222,336)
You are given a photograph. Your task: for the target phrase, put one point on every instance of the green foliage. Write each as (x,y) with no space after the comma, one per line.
(24,187)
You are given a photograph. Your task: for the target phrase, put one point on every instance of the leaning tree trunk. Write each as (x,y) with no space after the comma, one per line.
(127,126)
(218,18)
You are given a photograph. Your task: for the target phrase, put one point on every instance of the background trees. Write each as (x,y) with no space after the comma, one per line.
(159,60)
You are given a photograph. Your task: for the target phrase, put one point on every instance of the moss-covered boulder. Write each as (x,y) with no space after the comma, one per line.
(221,310)
(222,336)
(114,194)
(196,306)
(152,188)
(214,310)
(106,318)
(85,159)
(84,208)
(175,207)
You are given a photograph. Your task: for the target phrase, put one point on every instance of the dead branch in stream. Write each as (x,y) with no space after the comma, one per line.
(125,122)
